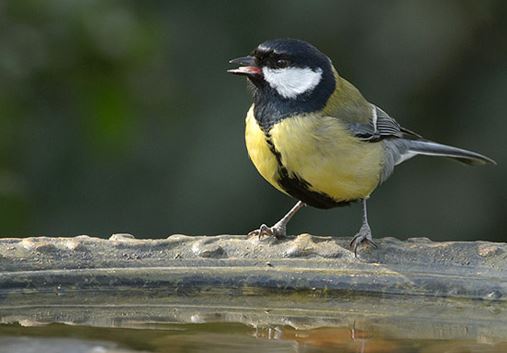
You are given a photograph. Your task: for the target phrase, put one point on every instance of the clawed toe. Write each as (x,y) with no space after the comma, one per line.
(264,230)
(364,234)
(279,230)
(362,237)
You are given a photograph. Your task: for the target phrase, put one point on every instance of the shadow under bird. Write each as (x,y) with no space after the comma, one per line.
(313,136)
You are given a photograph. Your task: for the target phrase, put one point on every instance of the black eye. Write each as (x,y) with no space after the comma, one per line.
(281,63)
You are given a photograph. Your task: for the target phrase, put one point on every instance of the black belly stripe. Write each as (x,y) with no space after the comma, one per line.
(299,188)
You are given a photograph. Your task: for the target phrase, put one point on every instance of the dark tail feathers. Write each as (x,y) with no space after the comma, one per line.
(431,148)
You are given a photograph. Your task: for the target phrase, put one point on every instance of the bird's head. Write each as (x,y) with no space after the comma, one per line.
(289,70)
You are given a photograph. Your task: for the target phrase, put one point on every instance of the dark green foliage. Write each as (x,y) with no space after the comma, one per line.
(119,115)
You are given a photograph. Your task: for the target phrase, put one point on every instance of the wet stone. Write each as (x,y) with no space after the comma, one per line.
(422,267)
(74,245)
(45,247)
(122,237)
(202,249)
(489,250)
(494,295)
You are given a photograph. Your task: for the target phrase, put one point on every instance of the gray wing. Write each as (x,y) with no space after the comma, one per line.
(380,126)
(401,144)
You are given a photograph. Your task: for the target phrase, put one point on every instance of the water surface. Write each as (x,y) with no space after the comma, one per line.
(261,324)
(226,338)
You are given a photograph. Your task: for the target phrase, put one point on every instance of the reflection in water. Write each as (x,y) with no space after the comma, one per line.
(360,337)
(335,339)
(56,345)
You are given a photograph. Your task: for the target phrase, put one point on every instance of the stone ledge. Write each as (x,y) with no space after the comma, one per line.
(239,265)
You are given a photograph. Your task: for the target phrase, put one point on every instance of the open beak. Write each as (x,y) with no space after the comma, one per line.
(247,67)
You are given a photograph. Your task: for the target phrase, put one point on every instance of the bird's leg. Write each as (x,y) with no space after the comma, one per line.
(279,230)
(364,234)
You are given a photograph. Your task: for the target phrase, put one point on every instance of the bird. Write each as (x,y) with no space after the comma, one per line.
(313,136)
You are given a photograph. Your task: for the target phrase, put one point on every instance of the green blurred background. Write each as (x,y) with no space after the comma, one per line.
(118,116)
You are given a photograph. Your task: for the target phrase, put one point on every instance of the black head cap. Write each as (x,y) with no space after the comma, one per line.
(297,52)
(290,76)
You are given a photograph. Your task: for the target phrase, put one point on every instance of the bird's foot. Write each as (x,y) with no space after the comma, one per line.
(278,231)
(364,235)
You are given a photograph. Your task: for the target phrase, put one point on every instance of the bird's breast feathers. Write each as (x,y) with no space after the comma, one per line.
(319,153)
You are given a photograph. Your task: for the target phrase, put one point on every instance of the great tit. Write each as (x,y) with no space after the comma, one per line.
(313,136)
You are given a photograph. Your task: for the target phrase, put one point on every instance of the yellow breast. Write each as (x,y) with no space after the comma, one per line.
(322,152)
(319,151)
(258,150)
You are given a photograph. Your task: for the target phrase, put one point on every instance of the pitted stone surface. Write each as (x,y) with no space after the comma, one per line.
(305,262)
(19,254)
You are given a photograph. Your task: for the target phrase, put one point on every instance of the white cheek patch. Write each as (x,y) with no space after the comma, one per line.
(292,81)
